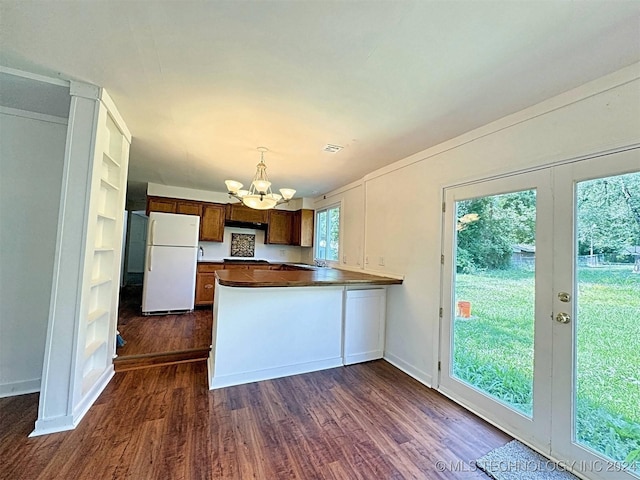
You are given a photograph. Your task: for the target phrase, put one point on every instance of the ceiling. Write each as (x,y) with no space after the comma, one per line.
(201,84)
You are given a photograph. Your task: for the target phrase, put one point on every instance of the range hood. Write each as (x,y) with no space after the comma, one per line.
(240,224)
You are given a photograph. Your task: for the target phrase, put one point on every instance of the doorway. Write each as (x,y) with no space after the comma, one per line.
(541,309)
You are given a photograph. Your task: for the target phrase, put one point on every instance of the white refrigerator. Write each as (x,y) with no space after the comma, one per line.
(170,264)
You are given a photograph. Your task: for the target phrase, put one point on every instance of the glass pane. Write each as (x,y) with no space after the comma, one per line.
(494,296)
(321,242)
(334,234)
(607,324)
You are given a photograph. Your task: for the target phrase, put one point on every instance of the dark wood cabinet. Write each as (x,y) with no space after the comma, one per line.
(302,234)
(211,215)
(237,212)
(284,227)
(186,207)
(212,222)
(161,204)
(206,282)
(280,227)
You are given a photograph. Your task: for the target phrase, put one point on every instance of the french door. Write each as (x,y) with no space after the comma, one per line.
(540,329)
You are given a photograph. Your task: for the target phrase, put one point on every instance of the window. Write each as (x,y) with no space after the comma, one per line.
(328,234)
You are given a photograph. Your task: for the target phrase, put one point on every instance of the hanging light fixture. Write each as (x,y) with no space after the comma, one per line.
(259,196)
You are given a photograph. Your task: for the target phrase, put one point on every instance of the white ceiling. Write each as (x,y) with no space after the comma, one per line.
(201,84)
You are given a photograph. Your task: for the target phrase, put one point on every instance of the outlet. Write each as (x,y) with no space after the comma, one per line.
(282,253)
(366,260)
(381,261)
(344,259)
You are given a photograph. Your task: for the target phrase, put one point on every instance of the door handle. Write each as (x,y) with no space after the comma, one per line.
(149,258)
(563,317)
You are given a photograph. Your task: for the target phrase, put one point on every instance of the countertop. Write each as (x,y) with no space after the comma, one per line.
(300,278)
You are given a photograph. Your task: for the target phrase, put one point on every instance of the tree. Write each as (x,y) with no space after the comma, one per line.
(608,214)
(490,226)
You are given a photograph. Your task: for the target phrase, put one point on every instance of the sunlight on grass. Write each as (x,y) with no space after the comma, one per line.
(493,350)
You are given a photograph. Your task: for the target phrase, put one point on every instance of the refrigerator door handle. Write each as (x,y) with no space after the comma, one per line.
(149,259)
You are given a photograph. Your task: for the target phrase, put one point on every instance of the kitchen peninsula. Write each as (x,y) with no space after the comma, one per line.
(273,323)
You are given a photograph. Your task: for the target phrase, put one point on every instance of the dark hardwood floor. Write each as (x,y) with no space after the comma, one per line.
(365,421)
(159,339)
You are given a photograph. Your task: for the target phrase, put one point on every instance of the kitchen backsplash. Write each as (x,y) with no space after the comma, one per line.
(275,253)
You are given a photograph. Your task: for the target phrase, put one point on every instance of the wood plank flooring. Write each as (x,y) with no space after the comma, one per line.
(159,339)
(365,421)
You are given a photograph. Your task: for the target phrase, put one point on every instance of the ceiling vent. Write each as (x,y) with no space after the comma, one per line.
(332,148)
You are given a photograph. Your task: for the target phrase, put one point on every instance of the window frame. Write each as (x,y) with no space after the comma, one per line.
(316,248)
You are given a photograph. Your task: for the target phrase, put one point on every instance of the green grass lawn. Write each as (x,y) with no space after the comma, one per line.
(494,349)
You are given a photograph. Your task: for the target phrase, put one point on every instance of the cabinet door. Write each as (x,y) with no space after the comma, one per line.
(364,325)
(280,227)
(302,234)
(189,208)
(205,286)
(212,222)
(159,204)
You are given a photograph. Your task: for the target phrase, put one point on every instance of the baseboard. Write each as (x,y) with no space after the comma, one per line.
(362,357)
(409,369)
(63,423)
(271,373)
(19,388)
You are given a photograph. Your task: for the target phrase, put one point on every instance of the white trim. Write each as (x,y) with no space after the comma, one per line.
(63,423)
(21,387)
(541,451)
(269,373)
(16,112)
(115,114)
(34,76)
(413,372)
(561,160)
(92,395)
(84,90)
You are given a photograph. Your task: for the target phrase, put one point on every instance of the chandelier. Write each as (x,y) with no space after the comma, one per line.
(259,196)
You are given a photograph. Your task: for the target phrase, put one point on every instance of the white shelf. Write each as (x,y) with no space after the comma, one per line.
(106,217)
(103,249)
(108,184)
(92,348)
(95,315)
(111,159)
(99,281)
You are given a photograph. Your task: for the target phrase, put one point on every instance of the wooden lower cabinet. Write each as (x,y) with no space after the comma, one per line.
(206,282)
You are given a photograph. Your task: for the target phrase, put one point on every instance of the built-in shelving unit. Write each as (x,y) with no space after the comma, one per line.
(81,339)
(103,252)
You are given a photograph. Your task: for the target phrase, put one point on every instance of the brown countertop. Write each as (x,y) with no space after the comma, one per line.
(301,278)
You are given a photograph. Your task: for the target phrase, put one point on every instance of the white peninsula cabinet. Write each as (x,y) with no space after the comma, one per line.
(364,325)
(80,344)
(270,324)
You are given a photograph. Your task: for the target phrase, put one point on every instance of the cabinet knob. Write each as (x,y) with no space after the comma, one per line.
(208,285)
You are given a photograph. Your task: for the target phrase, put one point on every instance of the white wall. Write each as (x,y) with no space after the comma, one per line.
(31,159)
(403,225)
(214,251)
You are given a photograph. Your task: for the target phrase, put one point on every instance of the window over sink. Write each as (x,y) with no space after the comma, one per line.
(328,234)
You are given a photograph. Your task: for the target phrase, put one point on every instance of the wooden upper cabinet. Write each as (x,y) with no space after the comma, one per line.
(161,204)
(212,222)
(280,228)
(237,212)
(187,207)
(302,234)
